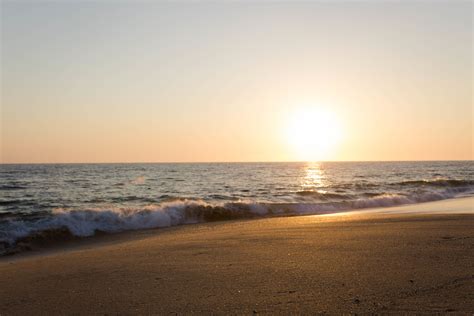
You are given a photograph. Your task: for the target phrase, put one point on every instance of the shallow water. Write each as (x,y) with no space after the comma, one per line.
(85,198)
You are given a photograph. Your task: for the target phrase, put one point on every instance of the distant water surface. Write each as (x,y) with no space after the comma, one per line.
(85,198)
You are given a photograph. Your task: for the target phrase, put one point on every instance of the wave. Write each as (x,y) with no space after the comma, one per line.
(85,222)
(90,221)
(12,187)
(10,202)
(323,195)
(436,183)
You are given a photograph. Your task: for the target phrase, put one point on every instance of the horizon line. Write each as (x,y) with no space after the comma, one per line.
(230,162)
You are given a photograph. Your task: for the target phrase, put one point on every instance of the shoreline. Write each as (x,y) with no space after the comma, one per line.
(47,244)
(455,205)
(373,262)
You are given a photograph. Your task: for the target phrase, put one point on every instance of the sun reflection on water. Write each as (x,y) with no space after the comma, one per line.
(314,177)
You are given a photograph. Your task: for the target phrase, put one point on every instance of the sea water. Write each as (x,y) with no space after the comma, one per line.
(83,199)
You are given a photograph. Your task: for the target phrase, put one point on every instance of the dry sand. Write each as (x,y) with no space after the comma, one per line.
(367,262)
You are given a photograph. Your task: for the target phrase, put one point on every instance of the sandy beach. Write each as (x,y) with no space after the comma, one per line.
(236,158)
(376,261)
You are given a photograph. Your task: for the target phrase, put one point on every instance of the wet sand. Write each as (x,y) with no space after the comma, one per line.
(376,261)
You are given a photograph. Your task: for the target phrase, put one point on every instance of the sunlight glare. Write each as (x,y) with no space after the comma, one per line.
(313,133)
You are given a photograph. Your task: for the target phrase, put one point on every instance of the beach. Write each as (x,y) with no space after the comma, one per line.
(236,158)
(371,262)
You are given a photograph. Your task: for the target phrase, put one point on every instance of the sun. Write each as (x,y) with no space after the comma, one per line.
(313,133)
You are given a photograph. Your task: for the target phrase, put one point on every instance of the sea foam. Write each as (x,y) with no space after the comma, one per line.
(87,222)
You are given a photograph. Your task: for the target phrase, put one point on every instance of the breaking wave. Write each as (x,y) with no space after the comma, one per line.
(65,223)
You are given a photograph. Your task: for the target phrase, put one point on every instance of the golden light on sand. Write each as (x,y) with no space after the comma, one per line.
(313,133)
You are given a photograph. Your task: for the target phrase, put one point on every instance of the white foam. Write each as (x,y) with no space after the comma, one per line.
(85,222)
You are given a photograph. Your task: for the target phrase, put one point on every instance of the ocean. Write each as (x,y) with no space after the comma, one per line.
(83,199)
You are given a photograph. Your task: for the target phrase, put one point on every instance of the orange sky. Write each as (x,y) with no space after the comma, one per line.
(175,82)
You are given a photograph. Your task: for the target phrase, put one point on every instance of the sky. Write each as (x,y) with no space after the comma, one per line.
(117,81)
